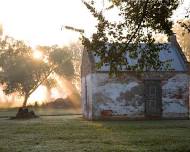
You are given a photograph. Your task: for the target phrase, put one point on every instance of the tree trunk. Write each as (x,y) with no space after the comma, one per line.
(25,101)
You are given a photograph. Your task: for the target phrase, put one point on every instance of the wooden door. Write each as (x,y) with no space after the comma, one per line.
(153,98)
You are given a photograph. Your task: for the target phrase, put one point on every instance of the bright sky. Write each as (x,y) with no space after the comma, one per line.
(40,21)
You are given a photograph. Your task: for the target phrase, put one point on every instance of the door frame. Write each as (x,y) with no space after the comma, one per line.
(158,81)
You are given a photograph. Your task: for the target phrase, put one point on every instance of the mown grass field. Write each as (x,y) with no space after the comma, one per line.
(72,133)
(4,113)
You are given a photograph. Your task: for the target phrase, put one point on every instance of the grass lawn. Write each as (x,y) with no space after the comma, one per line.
(72,133)
(4,113)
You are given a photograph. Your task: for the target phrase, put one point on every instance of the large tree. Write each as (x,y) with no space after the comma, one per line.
(21,73)
(75,49)
(183,35)
(139,21)
(185,22)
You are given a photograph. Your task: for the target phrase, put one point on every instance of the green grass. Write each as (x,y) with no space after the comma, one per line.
(4,113)
(72,133)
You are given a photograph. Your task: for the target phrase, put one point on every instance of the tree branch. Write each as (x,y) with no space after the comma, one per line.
(140,22)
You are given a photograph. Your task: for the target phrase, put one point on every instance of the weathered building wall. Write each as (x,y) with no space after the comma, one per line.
(86,85)
(84,97)
(87,97)
(175,96)
(105,97)
(124,96)
(114,97)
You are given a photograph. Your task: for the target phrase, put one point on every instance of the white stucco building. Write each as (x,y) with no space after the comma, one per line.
(147,95)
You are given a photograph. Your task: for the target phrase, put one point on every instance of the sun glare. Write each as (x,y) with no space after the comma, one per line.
(54,93)
(39,95)
(41,21)
(37,55)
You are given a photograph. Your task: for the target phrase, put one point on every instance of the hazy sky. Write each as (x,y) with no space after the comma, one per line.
(40,21)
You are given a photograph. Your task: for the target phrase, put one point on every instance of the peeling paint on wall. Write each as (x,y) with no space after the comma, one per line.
(125,96)
(175,100)
(122,98)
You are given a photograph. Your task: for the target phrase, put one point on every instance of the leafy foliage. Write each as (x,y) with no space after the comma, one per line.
(139,21)
(21,73)
(185,23)
(61,60)
(183,36)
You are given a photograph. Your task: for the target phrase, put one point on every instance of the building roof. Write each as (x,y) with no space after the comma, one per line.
(172,53)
